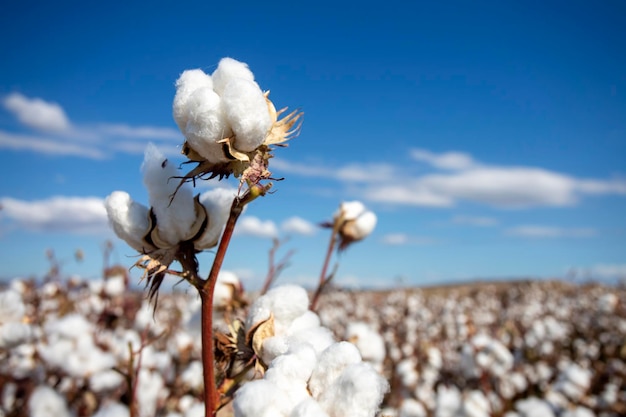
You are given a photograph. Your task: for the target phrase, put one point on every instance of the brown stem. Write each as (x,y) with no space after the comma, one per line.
(323,277)
(211,396)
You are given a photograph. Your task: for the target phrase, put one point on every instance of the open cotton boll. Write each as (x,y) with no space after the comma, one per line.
(368,341)
(350,210)
(227,70)
(258,399)
(291,390)
(130,220)
(105,380)
(206,125)
(14,333)
(247,113)
(12,307)
(331,363)
(112,410)
(227,284)
(46,402)
(308,408)
(188,82)
(217,203)
(412,408)
(361,227)
(357,392)
(174,216)
(285,303)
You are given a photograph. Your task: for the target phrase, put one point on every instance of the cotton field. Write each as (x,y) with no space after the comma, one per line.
(94,348)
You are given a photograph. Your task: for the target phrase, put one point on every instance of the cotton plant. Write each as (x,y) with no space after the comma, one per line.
(351,223)
(231,127)
(305,371)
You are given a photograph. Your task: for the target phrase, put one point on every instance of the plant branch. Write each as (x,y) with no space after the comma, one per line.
(325,279)
(211,395)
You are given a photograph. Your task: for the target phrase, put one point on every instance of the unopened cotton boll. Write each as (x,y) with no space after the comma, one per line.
(227,70)
(175,216)
(129,219)
(245,109)
(188,82)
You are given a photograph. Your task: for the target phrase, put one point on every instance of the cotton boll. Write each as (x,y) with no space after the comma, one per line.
(448,401)
(292,389)
(105,380)
(227,70)
(258,399)
(217,203)
(46,402)
(115,286)
(320,338)
(350,210)
(14,334)
(174,216)
(308,320)
(362,227)
(150,389)
(129,219)
(196,410)
(225,287)
(331,364)
(207,125)
(475,404)
(532,407)
(285,303)
(193,375)
(12,307)
(247,113)
(369,342)
(357,392)
(188,82)
(308,408)
(412,408)
(113,410)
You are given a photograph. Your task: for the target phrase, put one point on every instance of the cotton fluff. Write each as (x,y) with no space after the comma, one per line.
(308,408)
(285,303)
(227,104)
(357,392)
(176,215)
(369,342)
(46,402)
(188,82)
(412,408)
(217,203)
(207,124)
(12,310)
(112,410)
(331,364)
(227,70)
(258,398)
(355,221)
(225,288)
(129,219)
(247,113)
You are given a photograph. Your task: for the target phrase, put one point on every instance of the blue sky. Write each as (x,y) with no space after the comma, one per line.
(489,137)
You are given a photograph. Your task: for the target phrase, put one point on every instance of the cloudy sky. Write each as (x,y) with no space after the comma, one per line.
(489,137)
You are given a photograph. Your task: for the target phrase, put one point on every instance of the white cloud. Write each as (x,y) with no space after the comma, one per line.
(57,214)
(608,271)
(299,226)
(535,231)
(399,239)
(475,221)
(253,226)
(62,138)
(37,113)
(447,160)
(395,239)
(48,146)
(463,179)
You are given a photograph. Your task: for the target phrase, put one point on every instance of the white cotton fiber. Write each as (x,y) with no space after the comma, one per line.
(217,203)
(357,392)
(188,82)
(331,364)
(105,380)
(320,338)
(412,408)
(350,210)
(258,399)
(14,333)
(308,408)
(286,303)
(247,113)
(206,124)
(225,287)
(174,216)
(128,218)
(292,389)
(368,341)
(308,320)
(46,402)
(227,70)
(12,307)
(113,410)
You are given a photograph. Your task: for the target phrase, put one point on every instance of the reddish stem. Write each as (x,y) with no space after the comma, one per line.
(211,396)
(323,277)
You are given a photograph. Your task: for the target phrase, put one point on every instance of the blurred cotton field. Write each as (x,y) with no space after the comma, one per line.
(91,348)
